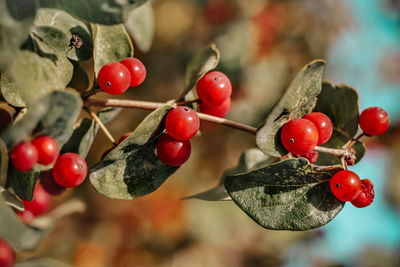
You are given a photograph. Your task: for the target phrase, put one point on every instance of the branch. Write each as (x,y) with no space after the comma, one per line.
(102,127)
(154,105)
(333,151)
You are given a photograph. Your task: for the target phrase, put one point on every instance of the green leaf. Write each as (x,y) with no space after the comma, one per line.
(80,80)
(133,169)
(82,138)
(298,100)
(69,26)
(288,195)
(340,104)
(23,183)
(201,63)
(30,78)
(97,11)
(15,20)
(111,44)
(11,200)
(140,25)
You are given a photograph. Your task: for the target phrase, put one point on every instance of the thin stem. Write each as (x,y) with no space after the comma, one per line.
(332,151)
(182,103)
(102,127)
(327,168)
(154,105)
(353,141)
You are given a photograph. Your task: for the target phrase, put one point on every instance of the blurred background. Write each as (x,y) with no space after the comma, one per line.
(263,44)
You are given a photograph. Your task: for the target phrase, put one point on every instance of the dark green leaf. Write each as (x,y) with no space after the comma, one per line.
(133,169)
(97,11)
(340,104)
(201,63)
(23,183)
(111,44)
(69,26)
(80,79)
(82,138)
(11,200)
(288,195)
(15,20)
(298,100)
(337,140)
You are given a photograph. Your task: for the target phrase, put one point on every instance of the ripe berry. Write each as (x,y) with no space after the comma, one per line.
(299,136)
(323,125)
(122,138)
(312,156)
(24,156)
(374,121)
(26,216)
(345,185)
(366,197)
(47,149)
(7,256)
(69,170)
(114,78)
(214,88)
(173,152)
(48,183)
(182,123)
(219,111)
(40,203)
(136,69)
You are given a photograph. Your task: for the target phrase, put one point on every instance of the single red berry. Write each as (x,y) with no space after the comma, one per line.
(219,111)
(214,88)
(311,156)
(47,149)
(182,123)
(374,121)
(323,125)
(70,170)
(40,203)
(136,69)
(299,136)
(48,183)
(26,216)
(114,78)
(122,138)
(173,152)
(366,197)
(24,156)
(7,255)
(345,185)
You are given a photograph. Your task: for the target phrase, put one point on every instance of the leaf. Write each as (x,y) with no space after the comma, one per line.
(11,200)
(80,79)
(249,160)
(29,79)
(298,100)
(288,195)
(97,11)
(16,18)
(111,44)
(340,104)
(23,183)
(82,138)
(337,140)
(69,26)
(201,63)
(140,25)
(133,169)
(3,163)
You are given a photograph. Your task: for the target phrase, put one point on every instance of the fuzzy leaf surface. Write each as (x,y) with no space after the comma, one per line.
(132,169)
(288,195)
(298,100)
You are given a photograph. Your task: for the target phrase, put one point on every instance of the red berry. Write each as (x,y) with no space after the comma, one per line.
(173,152)
(7,256)
(299,136)
(182,123)
(122,138)
(69,170)
(24,156)
(366,197)
(214,88)
(374,121)
(311,156)
(47,149)
(323,125)
(25,216)
(48,183)
(219,111)
(136,69)
(345,185)
(40,203)
(114,78)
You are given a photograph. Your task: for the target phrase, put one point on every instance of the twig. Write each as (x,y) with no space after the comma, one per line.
(327,168)
(102,127)
(182,103)
(154,105)
(353,141)
(332,151)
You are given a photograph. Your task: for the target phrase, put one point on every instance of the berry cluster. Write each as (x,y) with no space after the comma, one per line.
(301,136)
(115,78)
